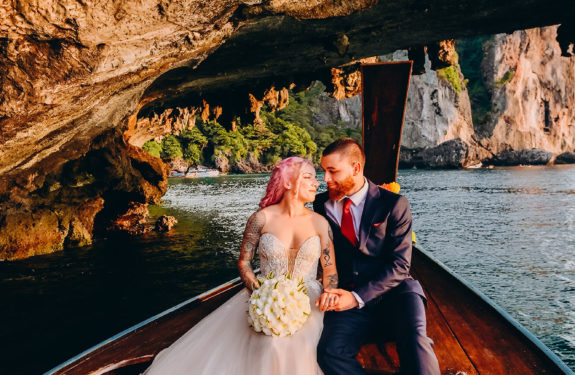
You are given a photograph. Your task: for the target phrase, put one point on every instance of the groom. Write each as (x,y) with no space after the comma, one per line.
(372,239)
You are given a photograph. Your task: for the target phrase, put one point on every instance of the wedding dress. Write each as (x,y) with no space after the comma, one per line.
(224,343)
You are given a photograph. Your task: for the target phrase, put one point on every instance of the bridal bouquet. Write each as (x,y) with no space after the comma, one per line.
(279,307)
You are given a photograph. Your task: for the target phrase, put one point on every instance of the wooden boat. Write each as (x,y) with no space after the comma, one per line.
(472,335)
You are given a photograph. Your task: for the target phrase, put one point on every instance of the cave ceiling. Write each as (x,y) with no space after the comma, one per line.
(279,50)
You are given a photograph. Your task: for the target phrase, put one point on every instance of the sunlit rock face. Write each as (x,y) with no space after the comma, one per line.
(530,110)
(438,127)
(435,112)
(72,71)
(532,91)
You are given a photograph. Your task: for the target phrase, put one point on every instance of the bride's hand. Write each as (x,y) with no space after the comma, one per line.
(327,301)
(252,284)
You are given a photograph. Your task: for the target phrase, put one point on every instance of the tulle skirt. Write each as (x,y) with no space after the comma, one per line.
(224,343)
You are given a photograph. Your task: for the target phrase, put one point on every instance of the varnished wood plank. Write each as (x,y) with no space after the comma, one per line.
(450,355)
(469,319)
(493,344)
(379,359)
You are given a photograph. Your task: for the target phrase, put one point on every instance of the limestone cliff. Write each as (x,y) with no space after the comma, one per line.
(331,111)
(522,107)
(438,111)
(532,90)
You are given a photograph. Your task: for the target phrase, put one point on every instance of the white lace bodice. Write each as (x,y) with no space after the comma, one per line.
(274,256)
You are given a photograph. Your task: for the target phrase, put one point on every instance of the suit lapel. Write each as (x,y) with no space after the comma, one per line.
(369,210)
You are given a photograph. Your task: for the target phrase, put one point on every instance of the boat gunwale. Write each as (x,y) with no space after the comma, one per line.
(504,314)
(220,288)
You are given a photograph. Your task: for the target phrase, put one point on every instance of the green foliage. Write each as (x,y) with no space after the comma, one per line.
(258,138)
(193,135)
(471,55)
(232,145)
(451,75)
(192,154)
(294,141)
(209,129)
(299,109)
(171,147)
(153,148)
(299,112)
(508,76)
(193,142)
(296,112)
(289,132)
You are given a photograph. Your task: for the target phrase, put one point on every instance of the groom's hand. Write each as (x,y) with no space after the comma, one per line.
(346,299)
(327,301)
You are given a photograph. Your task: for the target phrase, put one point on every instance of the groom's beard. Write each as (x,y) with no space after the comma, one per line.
(338,190)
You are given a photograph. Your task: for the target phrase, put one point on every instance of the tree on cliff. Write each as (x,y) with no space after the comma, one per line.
(193,142)
(171,147)
(153,148)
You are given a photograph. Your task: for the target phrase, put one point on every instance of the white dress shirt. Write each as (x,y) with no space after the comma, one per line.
(334,209)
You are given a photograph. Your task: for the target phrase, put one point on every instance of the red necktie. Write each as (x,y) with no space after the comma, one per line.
(347,222)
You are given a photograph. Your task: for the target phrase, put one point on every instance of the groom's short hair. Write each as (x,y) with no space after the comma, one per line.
(347,147)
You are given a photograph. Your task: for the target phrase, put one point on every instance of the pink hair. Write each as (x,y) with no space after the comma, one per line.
(286,170)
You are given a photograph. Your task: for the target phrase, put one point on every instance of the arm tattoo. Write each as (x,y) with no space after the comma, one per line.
(325,251)
(332,281)
(326,257)
(249,245)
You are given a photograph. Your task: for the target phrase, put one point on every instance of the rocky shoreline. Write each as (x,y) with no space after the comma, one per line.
(453,154)
(456,154)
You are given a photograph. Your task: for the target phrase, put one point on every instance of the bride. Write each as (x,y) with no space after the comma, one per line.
(289,238)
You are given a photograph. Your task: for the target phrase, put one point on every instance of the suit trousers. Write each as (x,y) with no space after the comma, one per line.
(399,317)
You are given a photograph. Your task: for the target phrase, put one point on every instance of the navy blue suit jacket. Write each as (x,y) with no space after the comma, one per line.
(380,264)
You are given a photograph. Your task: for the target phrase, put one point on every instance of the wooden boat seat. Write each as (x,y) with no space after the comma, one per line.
(379,358)
(379,355)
